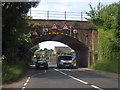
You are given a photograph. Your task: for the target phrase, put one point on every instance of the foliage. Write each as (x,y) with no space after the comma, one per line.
(94,14)
(107,65)
(16,39)
(106,45)
(107,20)
(108,55)
(34,48)
(104,16)
(109,16)
(43,53)
(96,55)
(12,73)
(60,52)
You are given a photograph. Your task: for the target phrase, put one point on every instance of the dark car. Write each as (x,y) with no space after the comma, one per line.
(65,62)
(42,63)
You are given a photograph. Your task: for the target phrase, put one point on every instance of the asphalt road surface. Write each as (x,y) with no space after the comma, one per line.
(68,78)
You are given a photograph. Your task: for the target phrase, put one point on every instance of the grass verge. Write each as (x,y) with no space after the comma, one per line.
(12,73)
(107,65)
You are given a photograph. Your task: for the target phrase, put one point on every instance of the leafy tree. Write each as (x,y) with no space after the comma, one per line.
(60,52)
(94,14)
(16,41)
(104,16)
(108,18)
(109,15)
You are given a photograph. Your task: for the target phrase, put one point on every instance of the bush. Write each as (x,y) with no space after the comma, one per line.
(96,55)
(12,73)
(108,53)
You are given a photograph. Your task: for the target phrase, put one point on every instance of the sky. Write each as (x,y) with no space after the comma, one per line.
(59,7)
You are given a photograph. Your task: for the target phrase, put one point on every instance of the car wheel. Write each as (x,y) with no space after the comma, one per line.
(46,67)
(58,66)
(36,68)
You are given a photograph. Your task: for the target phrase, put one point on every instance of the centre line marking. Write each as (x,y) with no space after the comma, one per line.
(94,86)
(77,79)
(63,73)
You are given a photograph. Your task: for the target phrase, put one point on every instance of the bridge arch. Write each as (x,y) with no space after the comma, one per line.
(80,48)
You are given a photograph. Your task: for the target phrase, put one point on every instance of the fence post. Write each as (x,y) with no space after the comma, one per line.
(30,12)
(48,15)
(81,16)
(65,15)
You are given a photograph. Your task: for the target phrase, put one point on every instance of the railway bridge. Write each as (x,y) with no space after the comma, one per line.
(81,36)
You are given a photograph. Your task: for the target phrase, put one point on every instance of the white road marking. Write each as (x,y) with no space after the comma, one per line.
(94,86)
(23,88)
(56,69)
(45,71)
(28,79)
(63,73)
(77,79)
(26,83)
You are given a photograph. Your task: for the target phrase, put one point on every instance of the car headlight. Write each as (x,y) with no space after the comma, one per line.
(70,61)
(62,61)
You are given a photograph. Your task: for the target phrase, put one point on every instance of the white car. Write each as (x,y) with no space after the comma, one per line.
(65,62)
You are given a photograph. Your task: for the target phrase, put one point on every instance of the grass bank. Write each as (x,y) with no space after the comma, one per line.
(109,66)
(108,58)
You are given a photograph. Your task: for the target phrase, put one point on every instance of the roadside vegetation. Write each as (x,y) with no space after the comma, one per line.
(108,59)
(107,21)
(16,45)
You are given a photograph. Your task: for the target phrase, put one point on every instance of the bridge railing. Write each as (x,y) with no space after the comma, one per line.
(58,15)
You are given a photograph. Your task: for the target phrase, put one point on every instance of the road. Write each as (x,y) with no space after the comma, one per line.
(68,78)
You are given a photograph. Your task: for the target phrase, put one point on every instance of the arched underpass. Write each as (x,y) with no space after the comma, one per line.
(80,48)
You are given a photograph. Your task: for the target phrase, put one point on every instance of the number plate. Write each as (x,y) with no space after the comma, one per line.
(67,65)
(41,66)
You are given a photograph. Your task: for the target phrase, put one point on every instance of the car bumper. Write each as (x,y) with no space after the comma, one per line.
(41,66)
(66,65)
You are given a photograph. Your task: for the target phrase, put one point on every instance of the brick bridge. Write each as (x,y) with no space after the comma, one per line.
(81,36)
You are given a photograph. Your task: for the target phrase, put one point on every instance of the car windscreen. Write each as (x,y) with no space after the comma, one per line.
(41,61)
(65,58)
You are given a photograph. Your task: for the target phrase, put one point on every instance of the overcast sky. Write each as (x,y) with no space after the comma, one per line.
(64,5)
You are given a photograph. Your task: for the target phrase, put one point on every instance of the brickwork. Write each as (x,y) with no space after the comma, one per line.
(85,37)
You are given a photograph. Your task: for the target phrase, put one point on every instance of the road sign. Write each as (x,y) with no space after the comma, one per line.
(74,55)
(65,27)
(54,27)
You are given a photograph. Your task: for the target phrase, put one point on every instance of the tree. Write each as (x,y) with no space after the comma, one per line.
(94,14)
(60,52)
(16,43)
(104,16)
(108,18)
